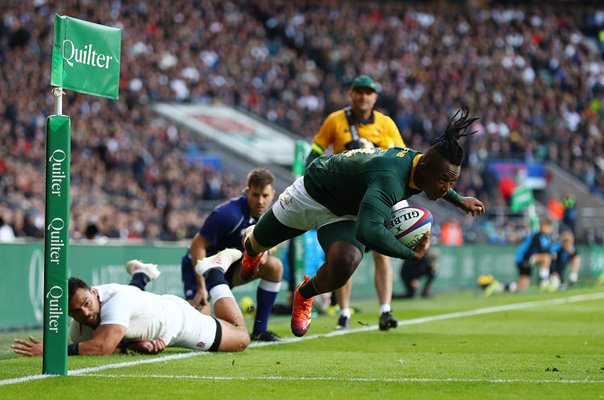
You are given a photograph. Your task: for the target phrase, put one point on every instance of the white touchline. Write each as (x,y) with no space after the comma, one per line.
(460,314)
(332,379)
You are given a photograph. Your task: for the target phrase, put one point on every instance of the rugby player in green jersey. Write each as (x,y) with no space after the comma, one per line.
(348,197)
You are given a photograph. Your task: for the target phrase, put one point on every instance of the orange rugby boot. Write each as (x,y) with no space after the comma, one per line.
(301,314)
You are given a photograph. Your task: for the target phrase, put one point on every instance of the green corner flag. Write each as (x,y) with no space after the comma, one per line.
(86,57)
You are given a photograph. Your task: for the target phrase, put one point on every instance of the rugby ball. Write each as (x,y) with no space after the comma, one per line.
(409,224)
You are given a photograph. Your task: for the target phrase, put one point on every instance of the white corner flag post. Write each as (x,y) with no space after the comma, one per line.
(86,59)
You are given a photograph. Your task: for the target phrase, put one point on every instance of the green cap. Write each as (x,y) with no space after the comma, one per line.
(364,81)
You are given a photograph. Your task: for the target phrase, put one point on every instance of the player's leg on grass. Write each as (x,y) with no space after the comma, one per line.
(574,264)
(524,276)
(343,298)
(344,254)
(524,281)
(270,273)
(383,285)
(542,261)
(269,232)
(235,336)
(342,260)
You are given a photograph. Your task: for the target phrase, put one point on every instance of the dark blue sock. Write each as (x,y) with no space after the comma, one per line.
(139,280)
(214,277)
(265,301)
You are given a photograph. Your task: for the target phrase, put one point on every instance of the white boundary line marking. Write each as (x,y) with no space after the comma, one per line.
(331,379)
(460,314)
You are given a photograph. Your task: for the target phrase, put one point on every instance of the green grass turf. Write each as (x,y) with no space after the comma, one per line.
(553,351)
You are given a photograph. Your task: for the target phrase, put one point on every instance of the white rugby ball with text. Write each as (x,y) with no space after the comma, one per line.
(410,224)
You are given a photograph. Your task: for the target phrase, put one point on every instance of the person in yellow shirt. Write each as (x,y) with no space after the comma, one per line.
(354,127)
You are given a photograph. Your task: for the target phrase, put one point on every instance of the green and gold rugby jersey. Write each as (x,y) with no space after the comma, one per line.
(366,183)
(341,181)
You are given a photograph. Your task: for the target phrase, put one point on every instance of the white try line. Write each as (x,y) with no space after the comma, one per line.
(333,379)
(461,314)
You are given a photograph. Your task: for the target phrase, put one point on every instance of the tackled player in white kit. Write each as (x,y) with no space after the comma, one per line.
(115,318)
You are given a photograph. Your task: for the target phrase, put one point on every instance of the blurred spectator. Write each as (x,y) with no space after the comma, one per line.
(93,233)
(450,233)
(555,209)
(507,186)
(569,202)
(6,231)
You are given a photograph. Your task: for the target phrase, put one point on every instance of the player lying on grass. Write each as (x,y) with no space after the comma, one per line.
(348,197)
(115,318)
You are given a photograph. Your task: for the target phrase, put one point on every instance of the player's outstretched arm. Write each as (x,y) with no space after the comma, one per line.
(32,348)
(471,205)
(468,204)
(35,347)
(105,340)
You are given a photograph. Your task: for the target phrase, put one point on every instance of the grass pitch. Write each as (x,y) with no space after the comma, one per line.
(453,346)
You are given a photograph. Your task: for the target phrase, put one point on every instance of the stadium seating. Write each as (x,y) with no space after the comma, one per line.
(533,75)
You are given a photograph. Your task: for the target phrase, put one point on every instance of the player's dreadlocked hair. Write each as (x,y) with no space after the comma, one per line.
(447,144)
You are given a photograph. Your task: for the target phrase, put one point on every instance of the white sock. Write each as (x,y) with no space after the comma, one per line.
(345,312)
(385,308)
(219,292)
(269,286)
(543,273)
(573,277)
(555,281)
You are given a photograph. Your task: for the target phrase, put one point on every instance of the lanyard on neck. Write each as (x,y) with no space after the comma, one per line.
(353,128)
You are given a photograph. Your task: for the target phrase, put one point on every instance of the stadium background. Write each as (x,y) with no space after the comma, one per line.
(533,72)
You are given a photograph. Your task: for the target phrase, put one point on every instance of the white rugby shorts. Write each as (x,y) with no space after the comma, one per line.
(297,209)
(198,331)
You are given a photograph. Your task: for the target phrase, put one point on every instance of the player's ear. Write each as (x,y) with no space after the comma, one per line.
(245,190)
(95,294)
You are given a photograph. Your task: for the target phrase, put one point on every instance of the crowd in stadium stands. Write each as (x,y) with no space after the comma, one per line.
(533,74)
